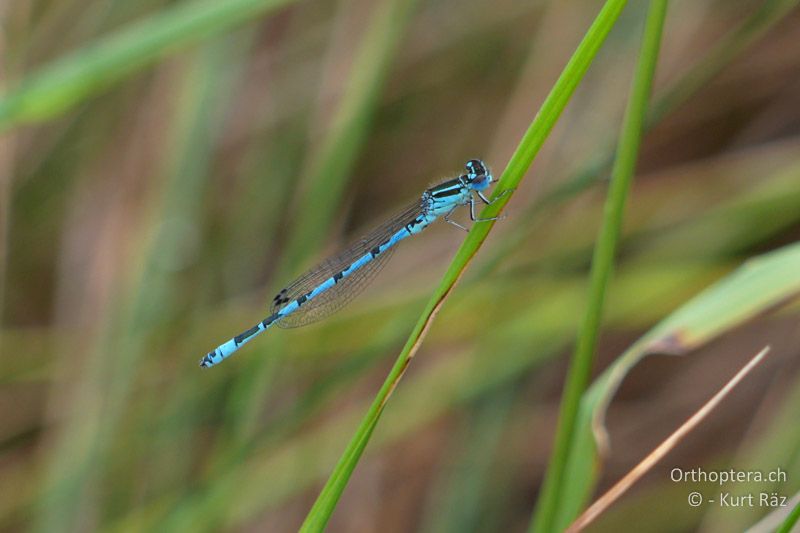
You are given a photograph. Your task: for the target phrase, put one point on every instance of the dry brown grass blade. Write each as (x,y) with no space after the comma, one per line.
(605,501)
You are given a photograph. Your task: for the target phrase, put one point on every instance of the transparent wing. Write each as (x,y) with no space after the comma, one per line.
(347,288)
(337,296)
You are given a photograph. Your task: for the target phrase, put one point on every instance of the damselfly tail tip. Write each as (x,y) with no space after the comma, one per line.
(208,360)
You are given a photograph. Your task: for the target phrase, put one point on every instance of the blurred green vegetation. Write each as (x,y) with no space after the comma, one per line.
(166,167)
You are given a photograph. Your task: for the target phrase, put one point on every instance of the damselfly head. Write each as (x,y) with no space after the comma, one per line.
(478,175)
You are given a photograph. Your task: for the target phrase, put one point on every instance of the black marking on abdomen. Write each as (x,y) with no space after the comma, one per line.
(417,221)
(337,277)
(239,339)
(377,250)
(269,320)
(302,299)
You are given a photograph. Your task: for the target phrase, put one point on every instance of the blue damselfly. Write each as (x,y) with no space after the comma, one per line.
(333,283)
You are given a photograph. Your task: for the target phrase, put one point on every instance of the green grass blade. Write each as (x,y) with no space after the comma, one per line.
(70,80)
(729,48)
(530,145)
(788,525)
(757,286)
(602,264)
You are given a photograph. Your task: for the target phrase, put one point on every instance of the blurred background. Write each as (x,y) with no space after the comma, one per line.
(151,209)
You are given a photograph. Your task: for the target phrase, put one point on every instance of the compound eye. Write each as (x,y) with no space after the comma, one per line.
(475,168)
